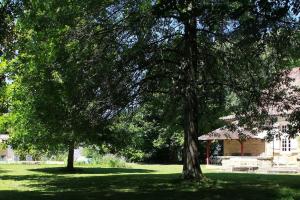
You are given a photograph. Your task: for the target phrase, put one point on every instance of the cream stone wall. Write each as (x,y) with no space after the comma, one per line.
(231,147)
(272,151)
(253,147)
(275,146)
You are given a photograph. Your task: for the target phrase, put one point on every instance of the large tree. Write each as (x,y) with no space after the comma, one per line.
(58,100)
(8,12)
(201,52)
(98,57)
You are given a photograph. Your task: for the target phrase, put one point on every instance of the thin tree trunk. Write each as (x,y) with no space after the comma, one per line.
(191,164)
(70,162)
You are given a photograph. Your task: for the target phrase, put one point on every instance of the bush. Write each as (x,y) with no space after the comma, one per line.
(110,160)
(134,155)
(54,156)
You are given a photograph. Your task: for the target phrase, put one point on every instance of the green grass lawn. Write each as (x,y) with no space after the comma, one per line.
(35,182)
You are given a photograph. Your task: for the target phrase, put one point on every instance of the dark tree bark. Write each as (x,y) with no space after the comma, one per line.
(191,164)
(70,162)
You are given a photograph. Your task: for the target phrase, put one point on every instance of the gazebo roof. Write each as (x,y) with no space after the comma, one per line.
(226,134)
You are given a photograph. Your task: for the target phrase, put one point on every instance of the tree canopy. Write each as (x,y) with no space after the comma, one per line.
(57,99)
(201,52)
(80,64)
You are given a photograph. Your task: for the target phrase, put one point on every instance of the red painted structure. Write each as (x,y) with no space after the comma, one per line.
(242,148)
(208,143)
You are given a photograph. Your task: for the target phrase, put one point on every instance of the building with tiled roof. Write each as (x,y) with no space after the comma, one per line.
(243,148)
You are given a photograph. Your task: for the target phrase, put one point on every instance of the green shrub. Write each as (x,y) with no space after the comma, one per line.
(110,160)
(134,155)
(96,157)
(55,156)
(93,154)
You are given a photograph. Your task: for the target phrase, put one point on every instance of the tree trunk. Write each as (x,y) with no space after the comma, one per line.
(191,164)
(70,162)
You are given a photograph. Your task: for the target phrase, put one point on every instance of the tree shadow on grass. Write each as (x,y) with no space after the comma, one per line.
(169,186)
(84,170)
(156,186)
(291,181)
(3,171)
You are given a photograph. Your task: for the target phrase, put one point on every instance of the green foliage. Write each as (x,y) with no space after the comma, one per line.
(3,146)
(97,157)
(57,99)
(134,154)
(55,156)
(198,52)
(92,151)
(148,133)
(153,132)
(170,69)
(4,98)
(9,10)
(110,160)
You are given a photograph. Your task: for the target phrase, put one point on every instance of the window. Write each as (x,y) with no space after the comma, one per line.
(285,144)
(284,128)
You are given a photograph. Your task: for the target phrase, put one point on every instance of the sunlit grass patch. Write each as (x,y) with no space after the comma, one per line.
(32,182)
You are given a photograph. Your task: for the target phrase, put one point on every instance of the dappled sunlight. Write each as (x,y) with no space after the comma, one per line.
(142,182)
(258,179)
